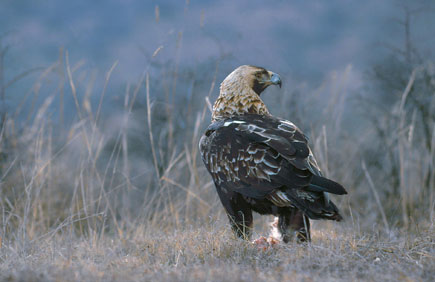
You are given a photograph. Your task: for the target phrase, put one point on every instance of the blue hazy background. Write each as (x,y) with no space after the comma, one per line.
(306,40)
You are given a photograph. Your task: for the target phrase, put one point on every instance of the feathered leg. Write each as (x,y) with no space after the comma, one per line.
(294,223)
(241,224)
(239,213)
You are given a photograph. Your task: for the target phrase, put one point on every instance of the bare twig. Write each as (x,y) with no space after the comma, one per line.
(375,194)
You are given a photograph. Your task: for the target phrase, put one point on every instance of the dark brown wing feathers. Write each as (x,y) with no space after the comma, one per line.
(259,156)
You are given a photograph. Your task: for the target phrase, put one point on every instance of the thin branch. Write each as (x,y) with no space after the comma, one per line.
(153,150)
(375,193)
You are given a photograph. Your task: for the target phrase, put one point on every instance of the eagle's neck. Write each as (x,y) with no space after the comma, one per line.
(237,98)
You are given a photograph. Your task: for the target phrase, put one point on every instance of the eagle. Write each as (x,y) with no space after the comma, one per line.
(261,163)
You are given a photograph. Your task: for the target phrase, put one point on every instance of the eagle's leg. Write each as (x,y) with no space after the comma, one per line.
(241,223)
(239,212)
(294,222)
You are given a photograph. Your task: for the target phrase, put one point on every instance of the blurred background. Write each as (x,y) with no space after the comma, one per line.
(103,104)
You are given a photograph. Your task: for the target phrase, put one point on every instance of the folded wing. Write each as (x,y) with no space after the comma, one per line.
(266,157)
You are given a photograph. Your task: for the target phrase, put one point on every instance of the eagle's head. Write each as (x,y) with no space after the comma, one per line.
(251,77)
(240,92)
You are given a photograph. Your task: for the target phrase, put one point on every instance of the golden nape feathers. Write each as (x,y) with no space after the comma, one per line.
(240,92)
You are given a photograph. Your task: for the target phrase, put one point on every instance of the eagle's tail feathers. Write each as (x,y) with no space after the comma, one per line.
(314,204)
(322,184)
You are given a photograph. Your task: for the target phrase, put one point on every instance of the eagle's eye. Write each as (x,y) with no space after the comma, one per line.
(260,75)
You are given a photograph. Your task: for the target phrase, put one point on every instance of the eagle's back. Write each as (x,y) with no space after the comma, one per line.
(266,158)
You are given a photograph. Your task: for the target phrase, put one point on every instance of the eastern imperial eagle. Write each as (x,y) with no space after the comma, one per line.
(262,163)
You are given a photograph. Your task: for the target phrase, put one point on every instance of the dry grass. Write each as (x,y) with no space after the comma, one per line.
(211,253)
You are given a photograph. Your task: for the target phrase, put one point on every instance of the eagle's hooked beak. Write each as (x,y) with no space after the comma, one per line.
(275,79)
